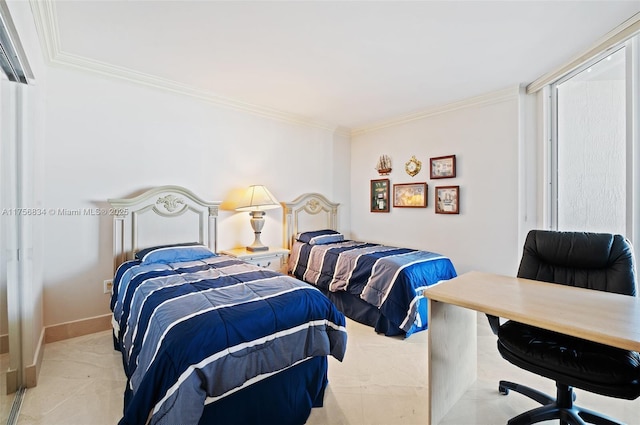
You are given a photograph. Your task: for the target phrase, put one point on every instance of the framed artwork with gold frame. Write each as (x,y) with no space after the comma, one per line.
(410,195)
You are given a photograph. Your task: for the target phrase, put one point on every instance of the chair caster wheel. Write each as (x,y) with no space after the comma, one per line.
(503,390)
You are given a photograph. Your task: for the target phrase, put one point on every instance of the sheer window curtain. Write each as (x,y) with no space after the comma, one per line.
(588,138)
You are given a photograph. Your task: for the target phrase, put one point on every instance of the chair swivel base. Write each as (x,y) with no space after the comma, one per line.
(561,407)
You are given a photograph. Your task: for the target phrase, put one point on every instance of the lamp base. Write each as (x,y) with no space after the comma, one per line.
(257,221)
(257,248)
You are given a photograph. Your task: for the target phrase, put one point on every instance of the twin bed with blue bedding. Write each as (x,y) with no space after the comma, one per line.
(380,286)
(194,327)
(208,338)
(374,284)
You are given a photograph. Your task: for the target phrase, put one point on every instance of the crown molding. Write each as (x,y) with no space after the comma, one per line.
(130,75)
(45,18)
(342,131)
(609,41)
(485,99)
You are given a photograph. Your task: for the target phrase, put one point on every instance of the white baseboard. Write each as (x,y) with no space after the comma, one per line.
(4,343)
(76,328)
(61,332)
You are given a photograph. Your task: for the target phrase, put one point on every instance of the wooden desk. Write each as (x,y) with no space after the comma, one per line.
(598,316)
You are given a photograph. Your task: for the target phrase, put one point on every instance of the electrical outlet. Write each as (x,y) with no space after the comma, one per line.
(107,285)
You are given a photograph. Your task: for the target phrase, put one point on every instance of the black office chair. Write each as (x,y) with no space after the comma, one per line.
(590,260)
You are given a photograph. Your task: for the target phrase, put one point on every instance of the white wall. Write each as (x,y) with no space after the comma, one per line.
(108,139)
(484,137)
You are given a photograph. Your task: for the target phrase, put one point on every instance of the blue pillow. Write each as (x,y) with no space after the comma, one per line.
(320,237)
(174,253)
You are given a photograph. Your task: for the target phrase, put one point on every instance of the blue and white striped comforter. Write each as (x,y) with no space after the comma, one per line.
(193,332)
(389,278)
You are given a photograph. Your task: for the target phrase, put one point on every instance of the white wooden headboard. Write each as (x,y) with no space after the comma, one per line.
(159,216)
(309,211)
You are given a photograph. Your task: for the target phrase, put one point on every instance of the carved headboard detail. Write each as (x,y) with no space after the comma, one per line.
(309,211)
(162,215)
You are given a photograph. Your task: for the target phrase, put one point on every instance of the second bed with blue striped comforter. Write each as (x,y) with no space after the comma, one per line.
(389,278)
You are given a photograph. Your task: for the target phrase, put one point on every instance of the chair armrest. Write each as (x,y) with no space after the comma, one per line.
(494,322)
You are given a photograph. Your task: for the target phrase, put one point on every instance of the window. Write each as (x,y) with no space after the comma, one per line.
(591,174)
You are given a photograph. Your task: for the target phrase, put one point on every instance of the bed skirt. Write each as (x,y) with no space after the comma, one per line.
(363,312)
(284,398)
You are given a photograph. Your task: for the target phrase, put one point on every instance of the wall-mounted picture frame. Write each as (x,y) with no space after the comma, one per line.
(410,195)
(447,199)
(443,167)
(379,197)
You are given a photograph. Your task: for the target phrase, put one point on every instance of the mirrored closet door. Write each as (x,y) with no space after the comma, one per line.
(5,399)
(10,356)
(15,227)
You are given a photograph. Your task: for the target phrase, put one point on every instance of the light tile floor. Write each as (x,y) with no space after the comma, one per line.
(381,381)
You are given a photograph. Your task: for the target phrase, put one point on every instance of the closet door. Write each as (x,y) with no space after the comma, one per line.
(15,236)
(10,325)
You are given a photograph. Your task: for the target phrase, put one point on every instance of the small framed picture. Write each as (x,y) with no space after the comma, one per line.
(410,195)
(443,167)
(448,200)
(379,195)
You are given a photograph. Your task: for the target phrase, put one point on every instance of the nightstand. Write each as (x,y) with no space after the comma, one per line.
(274,258)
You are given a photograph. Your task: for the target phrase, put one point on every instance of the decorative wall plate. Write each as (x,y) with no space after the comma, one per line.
(412,167)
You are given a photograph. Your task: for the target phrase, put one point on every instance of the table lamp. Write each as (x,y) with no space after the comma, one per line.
(256,200)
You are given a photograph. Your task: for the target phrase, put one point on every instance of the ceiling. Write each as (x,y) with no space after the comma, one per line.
(345,63)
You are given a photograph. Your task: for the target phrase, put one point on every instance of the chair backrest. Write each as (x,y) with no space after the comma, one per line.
(598,261)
